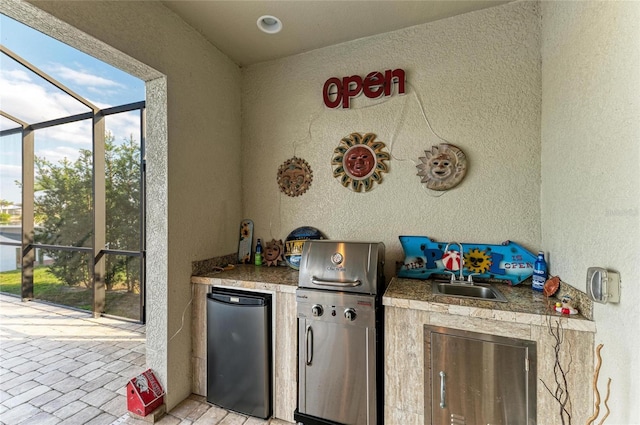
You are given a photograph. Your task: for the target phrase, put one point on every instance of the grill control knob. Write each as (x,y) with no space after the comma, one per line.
(317,310)
(350,314)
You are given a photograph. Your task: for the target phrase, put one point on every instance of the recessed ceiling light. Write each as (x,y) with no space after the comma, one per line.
(269,24)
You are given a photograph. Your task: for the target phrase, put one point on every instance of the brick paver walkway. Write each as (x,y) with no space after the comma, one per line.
(61,366)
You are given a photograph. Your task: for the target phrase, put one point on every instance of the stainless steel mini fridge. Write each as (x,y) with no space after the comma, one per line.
(239,364)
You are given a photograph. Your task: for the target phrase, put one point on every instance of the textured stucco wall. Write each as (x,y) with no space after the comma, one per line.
(193,152)
(478,77)
(590,171)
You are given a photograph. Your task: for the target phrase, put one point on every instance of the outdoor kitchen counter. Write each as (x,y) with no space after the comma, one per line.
(248,276)
(410,305)
(524,305)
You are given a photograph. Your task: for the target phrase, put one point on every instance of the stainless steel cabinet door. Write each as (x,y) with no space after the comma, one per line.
(475,381)
(335,371)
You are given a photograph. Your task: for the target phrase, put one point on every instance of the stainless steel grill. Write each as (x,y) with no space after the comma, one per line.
(340,345)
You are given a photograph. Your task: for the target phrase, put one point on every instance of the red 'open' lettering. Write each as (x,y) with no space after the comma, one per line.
(374,85)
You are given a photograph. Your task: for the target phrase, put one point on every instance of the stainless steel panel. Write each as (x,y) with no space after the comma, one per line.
(342,266)
(336,371)
(337,357)
(479,379)
(364,305)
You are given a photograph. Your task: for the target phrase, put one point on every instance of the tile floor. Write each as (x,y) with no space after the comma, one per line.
(61,366)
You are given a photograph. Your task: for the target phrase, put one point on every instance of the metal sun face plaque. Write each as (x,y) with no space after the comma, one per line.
(294,176)
(443,167)
(359,161)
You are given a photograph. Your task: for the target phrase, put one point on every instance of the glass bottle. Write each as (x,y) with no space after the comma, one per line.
(258,256)
(539,272)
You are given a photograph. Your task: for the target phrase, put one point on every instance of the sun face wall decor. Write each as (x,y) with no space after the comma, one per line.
(294,176)
(273,252)
(359,161)
(443,167)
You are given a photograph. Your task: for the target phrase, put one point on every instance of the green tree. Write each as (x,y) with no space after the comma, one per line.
(64,207)
(123,211)
(5,218)
(63,203)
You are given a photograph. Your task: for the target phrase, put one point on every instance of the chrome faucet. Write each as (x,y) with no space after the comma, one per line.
(453,275)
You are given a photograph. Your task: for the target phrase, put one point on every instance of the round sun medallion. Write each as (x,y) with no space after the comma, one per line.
(359,161)
(443,167)
(294,176)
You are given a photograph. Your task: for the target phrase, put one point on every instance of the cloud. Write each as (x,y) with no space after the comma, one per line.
(30,99)
(77,133)
(124,125)
(18,75)
(81,77)
(13,172)
(33,101)
(55,155)
(7,124)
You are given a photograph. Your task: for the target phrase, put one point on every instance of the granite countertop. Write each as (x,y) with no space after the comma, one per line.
(524,305)
(520,298)
(281,278)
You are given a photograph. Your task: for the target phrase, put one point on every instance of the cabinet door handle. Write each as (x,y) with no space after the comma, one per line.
(309,345)
(442,390)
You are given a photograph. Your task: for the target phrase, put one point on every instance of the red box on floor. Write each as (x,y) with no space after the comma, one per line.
(144,393)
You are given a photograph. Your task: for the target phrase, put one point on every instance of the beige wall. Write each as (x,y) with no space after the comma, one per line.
(193,142)
(572,123)
(478,76)
(590,171)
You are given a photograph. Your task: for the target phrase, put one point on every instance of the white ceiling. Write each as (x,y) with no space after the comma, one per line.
(230,25)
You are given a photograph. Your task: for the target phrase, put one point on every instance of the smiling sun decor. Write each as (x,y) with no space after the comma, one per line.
(294,177)
(359,161)
(273,252)
(443,167)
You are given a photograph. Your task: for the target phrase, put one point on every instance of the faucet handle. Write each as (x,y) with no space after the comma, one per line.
(470,277)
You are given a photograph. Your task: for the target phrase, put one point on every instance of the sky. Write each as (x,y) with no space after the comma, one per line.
(26,96)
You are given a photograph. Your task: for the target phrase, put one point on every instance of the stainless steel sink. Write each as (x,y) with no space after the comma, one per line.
(463,290)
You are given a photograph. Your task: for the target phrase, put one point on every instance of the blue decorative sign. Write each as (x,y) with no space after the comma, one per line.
(424,257)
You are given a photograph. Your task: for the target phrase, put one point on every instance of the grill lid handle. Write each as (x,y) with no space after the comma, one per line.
(321,282)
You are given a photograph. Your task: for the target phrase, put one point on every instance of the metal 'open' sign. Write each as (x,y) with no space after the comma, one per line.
(376,84)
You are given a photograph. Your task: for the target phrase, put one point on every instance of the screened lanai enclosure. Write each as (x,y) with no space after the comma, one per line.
(72,229)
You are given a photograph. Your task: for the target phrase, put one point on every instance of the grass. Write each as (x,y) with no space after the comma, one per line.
(47,287)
